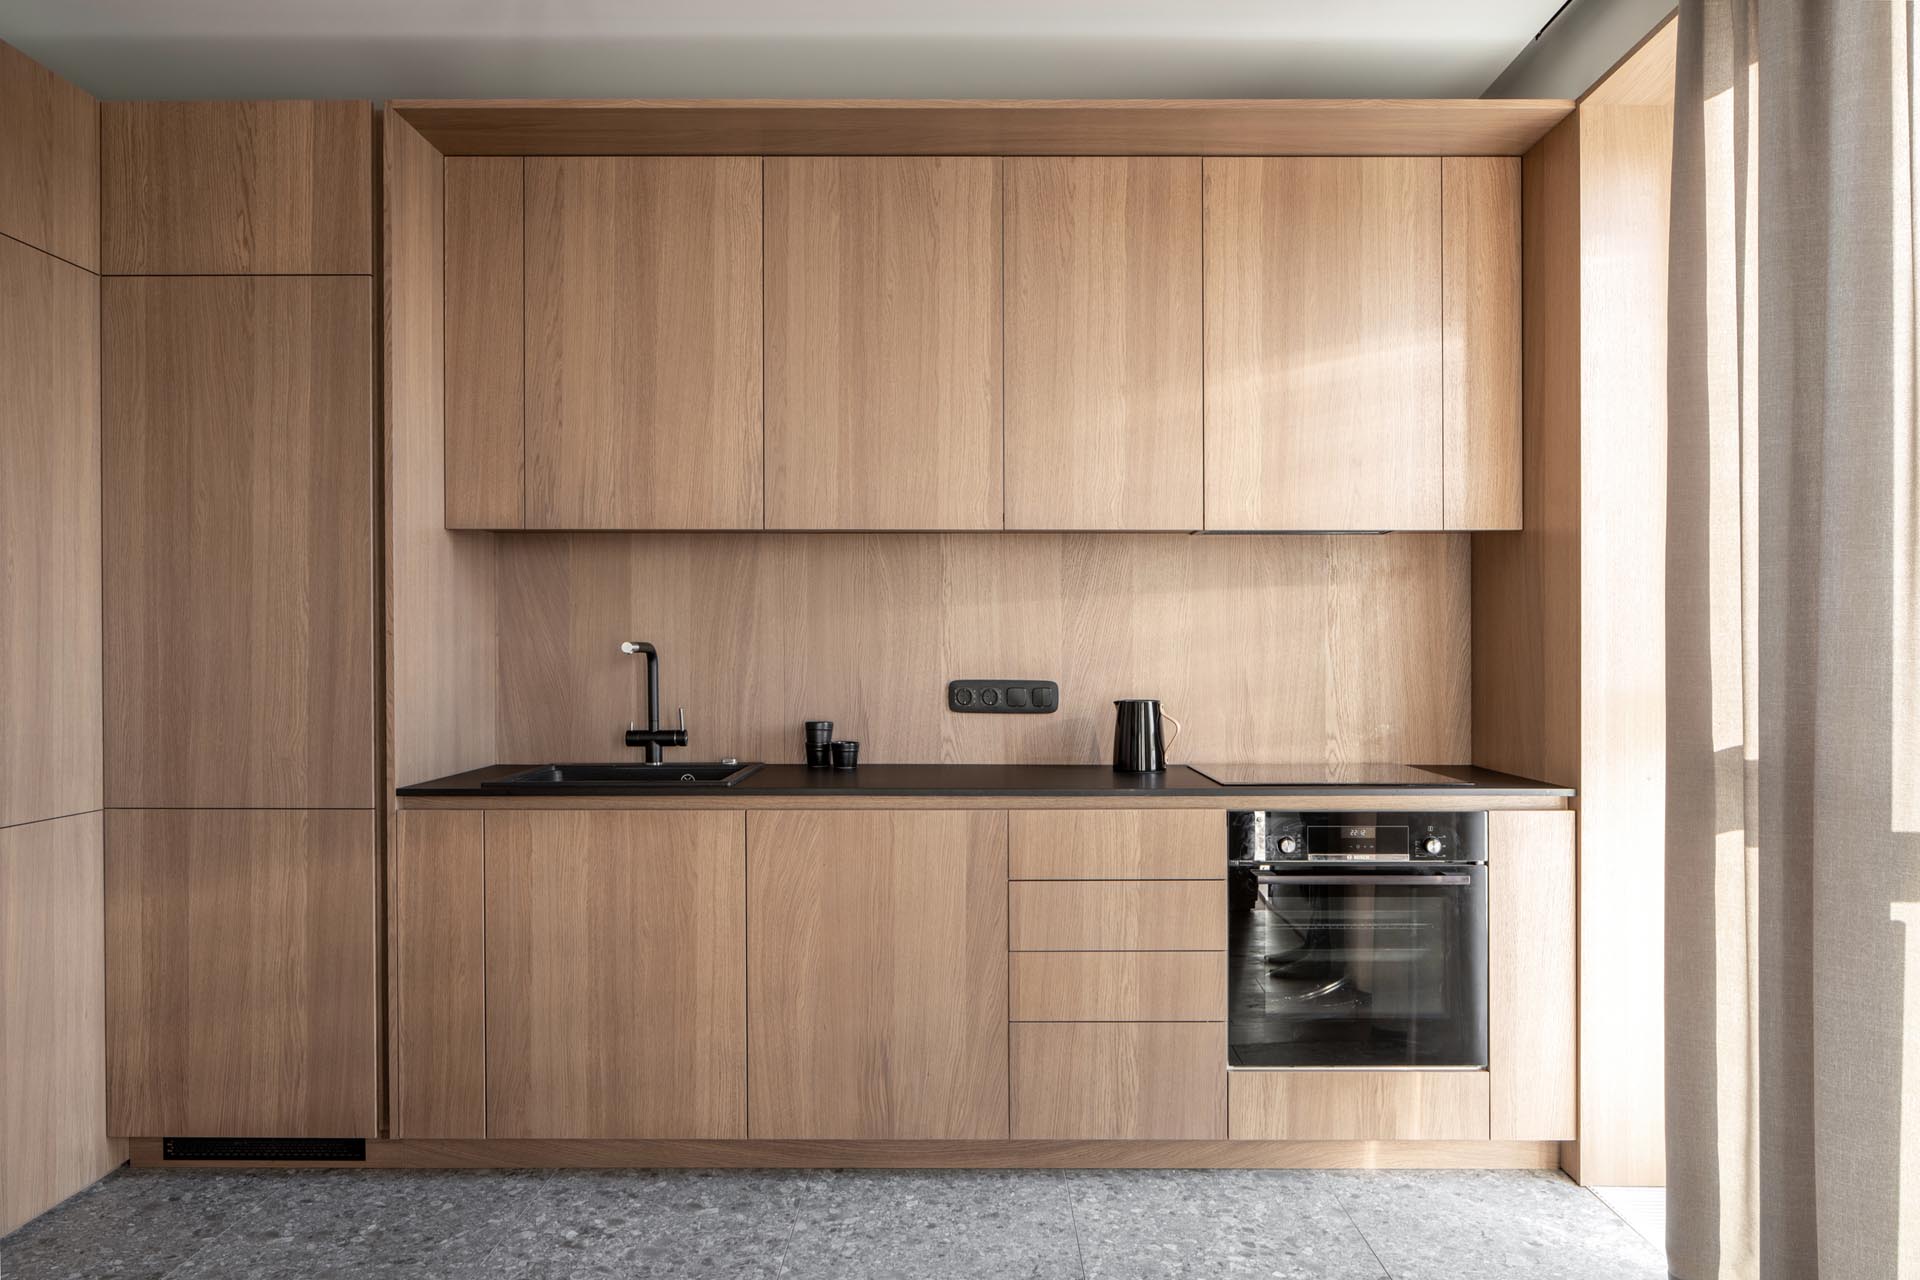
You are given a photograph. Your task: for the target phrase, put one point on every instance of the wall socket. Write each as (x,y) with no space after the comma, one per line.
(1004,697)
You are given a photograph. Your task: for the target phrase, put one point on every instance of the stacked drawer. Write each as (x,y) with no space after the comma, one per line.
(1117,924)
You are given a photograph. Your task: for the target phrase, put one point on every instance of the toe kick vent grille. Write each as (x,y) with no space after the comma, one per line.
(260,1150)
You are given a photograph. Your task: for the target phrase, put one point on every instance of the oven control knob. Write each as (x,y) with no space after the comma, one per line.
(1289,845)
(1433,845)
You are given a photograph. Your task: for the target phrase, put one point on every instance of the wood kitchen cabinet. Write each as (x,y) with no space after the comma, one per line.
(436,975)
(1531,1052)
(883,342)
(877,963)
(615,993)
(1102,336)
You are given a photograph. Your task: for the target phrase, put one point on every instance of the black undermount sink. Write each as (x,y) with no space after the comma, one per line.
(673,773)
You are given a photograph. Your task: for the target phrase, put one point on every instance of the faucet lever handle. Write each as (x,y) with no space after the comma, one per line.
(683,719)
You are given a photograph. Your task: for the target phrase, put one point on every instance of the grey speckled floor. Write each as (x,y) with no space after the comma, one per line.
(940,1225)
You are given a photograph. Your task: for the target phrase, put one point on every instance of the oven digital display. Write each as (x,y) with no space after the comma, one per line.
(1355,841)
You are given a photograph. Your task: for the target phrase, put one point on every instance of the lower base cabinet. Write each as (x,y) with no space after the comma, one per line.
(1380,1106)
(1120,1080)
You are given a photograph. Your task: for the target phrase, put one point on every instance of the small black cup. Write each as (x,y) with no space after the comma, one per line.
(846,754)
(819,735)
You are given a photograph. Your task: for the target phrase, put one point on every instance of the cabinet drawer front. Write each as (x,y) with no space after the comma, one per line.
(1119,915)
(1119,986)
(1113,844)
(1119,1080)
(1362,1105)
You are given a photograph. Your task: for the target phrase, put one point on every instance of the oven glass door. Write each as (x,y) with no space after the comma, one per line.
(1361,967)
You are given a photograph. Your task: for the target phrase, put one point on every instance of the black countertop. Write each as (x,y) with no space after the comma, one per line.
(1093,780)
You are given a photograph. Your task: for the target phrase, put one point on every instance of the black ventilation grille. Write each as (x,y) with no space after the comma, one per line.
(256,1150)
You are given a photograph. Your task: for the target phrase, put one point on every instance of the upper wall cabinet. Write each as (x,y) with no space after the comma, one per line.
(50,159)
(236,188)
(1362,333)
(238,478)
(638,403)
(883,342)
(1103,391)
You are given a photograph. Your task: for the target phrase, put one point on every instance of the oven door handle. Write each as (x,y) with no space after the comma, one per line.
(1443,880)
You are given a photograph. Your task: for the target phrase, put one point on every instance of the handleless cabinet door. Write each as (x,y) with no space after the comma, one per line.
(615,983)
(643,342)
(238,541)
(1323,343)
(1103,342)
(877,971)
(1482,401)
(883,342)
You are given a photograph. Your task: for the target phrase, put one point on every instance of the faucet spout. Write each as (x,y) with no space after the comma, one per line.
(653,737)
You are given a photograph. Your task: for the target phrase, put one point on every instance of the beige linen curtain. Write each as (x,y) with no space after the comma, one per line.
(1793,863)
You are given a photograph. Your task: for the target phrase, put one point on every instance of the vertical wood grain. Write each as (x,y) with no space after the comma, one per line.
(643,334)
(437,1000)
(877,962)
(616,988)
(1530,974)
(53,1133)
(486,330)
(240,973)
(1323,343)
(238,473)
(1113,1080)
(1102,338)
(263,188)
(1481,408)
(50,156)
(50,708)
(883,342)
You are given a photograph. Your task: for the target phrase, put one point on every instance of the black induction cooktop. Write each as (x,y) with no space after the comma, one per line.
(1325,775)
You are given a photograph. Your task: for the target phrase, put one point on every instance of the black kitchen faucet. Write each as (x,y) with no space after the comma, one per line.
(653,737)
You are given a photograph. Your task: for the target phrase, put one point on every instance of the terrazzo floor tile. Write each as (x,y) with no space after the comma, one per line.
(1444,1224)
(136,1225)
(1156,1225)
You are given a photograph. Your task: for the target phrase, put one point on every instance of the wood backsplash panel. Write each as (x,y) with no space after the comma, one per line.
(1266,648)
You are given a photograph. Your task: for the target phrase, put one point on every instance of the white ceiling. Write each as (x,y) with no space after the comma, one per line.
(771,48)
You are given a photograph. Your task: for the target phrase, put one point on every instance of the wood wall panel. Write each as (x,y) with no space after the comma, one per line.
(53,1134)
(240,973)
(1323,343)
(1102,334)
(1119,1080)
(436,976)
(238,443)
(486,334)
(616,979)
(50,708)
(883,348)
(1336,649)
(1531,994)
(441,651)
(234,188)
(1481,286)
(50,156)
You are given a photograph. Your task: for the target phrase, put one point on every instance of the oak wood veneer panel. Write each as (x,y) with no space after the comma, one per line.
(1102,335)
(878,970)
(1118,915)
(1118,844)
(236,188)
(241,961)
(616,988)
(1481,401)
(643,357)
(1120,1080)
(883,343)
(1323,343)
(53,1135)
(486,336)
(238,541)
(1119,986)
(50,154)
(1346,1105)
(50,688)
(1531,994)
(437,999)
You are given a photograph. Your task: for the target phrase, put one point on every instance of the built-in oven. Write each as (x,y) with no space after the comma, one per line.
(1357,940)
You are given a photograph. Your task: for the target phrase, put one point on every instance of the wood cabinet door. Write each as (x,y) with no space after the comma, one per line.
(883,342)
(1103,342)
(436,975)
(614,973)
(643,342)
(1481,404)
(238,541)
(1531,998)
(877,971)
(1344,1106)
(1141,1080)
(241,953)
(1323,343)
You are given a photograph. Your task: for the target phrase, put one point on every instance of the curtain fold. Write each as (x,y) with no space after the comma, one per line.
(1793,865)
